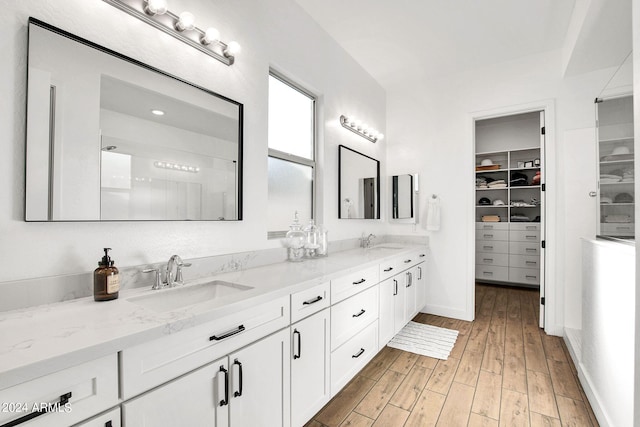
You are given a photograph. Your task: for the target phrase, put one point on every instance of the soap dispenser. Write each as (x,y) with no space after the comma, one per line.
(106,280)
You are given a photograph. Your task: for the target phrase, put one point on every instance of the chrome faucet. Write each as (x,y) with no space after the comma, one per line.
(366,242)
(175,262)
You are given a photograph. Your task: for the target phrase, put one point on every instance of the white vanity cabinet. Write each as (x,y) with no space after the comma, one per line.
(110,418)
(310,358)
(247,388)
(62,398)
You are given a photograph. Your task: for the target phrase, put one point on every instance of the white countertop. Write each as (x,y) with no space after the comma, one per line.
(40,340)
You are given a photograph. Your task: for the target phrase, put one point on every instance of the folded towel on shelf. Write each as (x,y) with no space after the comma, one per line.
(617,218)
(519,218)
(490,218)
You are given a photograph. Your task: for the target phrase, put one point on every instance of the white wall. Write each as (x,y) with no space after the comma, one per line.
(434,120)
(636,124)
(275,33)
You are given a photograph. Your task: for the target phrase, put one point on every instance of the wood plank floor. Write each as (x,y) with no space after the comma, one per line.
(503,371)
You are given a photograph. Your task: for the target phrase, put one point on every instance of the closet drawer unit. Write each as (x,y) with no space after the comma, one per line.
(524,248)
(492,225)
(347,360)
(524,226)
(627,229)
(350,284)
(155,362)
(524,261)
(524,236)
(524,275)
(390,268)
(492,272)
(487,258)
(310,301)
(502,235)
(352,315)
(73,394)
(498,247)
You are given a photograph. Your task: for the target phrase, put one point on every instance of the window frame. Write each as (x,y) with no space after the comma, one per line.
(287,157)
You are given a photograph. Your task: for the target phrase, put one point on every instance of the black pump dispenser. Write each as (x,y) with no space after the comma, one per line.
(106,259)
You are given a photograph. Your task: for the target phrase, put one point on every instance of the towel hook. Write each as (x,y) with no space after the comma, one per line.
(434,196)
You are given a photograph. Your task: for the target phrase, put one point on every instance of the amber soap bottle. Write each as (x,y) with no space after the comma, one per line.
(106,280)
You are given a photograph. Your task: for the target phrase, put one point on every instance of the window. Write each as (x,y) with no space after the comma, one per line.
(291,155)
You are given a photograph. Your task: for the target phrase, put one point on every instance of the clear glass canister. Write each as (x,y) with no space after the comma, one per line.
(295,240)
(323,241)
(311,239)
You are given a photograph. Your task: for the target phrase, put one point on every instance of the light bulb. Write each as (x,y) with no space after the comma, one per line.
(352,122)
(186,21)
(233,48)
(156,7)
(210,36)
(380,136)
(364,128)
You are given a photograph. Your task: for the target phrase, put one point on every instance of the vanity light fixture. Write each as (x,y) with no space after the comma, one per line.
(362,129)
(182,27)
(176,167)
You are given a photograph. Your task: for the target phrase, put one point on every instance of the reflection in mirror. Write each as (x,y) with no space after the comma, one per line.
(358,185)
(110,138)
(403,206)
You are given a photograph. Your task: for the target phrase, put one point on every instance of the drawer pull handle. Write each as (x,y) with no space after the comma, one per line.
(529,227)
(487,273)
(395,291)
(357,282)
(420,275)
(488,227)
(487,247)
(407,261)
(297,332)
(386,270)
(531,237)
(358,354)
(422,255)
(531,249)
(362,311)
(531,263)
(225,401)
(239,392)
(623,228)
(227,334)
(487,259)
(313,301)
(64,399)
(409,279)
(531,277)
(488,236)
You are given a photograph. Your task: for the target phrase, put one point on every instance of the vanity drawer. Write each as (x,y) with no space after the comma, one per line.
(499,247)
(492,225)
(524,236)
(389,268)
(352,315)
(103,420)
(153,363)
(524,226)
(487,258)
(309,301)
(409,261)
(488,235)
(347,360)
(524,248)
(524,261)
(492,272)
(90,388)
(352,283)
(524,275)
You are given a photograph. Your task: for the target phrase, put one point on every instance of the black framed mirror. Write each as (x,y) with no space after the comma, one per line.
(112,139)
(358,185)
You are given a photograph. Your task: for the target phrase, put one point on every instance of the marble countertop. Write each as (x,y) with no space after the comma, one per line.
(40,340)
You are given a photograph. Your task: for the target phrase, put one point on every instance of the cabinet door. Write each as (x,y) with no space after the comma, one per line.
(260,379)
(399,303)
(386,309)
(108,419)
(196,399)
(421,287)
(410,295)
(309,367)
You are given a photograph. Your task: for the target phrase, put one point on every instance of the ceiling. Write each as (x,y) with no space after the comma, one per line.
(433,38)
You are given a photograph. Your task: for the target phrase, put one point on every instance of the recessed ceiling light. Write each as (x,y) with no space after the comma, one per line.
(158,112)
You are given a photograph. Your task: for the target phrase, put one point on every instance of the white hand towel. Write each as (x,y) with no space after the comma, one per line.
(433,214)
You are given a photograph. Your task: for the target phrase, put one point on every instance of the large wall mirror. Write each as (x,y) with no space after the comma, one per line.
(358,185)
(110,138)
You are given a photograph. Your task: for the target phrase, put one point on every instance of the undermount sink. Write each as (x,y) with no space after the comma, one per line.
(175,298)
(385,247)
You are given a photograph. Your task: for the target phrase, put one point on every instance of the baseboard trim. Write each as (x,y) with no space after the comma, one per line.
(439,310)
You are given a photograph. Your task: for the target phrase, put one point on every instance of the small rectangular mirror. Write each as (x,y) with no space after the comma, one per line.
(404,189)
(112,139)
(358,185)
